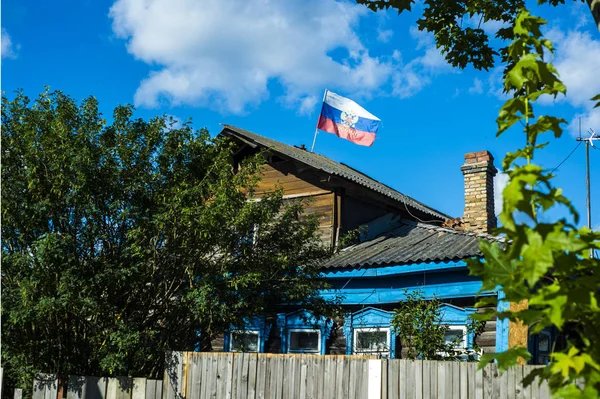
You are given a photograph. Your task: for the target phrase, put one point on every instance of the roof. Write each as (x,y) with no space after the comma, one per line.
(327,165)
(409,243)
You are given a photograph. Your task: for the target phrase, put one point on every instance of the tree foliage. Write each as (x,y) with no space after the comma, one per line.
(547,264)
(123,240)
(420,326)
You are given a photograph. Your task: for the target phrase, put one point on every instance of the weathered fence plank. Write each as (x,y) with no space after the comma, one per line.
(119,388)
(511,387)
(520,389)
(242,384)
(275,376)
(488,382)
(303,371)
(45,386)
(463,370)
(441,380)
(410,379)
(261,377)
(76,386)
(479,383)
(138,389)
(426,380)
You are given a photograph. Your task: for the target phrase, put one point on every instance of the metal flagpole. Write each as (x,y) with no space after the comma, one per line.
(312,149)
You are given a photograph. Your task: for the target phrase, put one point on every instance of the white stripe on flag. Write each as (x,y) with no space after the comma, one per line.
(345,104)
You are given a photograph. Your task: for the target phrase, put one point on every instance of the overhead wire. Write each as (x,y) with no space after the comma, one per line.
(563,161)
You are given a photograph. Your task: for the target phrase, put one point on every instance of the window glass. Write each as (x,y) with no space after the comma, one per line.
(371,340)
(304,341)
(244,341)
(455,336)
(544,343)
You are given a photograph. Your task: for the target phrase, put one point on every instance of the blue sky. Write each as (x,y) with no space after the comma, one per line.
(264,65)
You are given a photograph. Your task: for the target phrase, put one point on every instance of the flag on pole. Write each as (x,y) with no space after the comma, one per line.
(348,120)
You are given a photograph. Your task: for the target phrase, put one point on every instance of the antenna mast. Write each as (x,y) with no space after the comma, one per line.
(589,141)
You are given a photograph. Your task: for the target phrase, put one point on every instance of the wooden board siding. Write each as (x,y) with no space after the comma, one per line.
(318,201)
(284,174)
(323,206)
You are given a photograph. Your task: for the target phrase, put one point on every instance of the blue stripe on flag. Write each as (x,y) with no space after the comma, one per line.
(363,124)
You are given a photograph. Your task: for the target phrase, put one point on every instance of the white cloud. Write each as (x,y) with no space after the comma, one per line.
(496,83)
(408,82)
(8,49)
(500,182)
(423,38)
(308,105)
(589,120)
(477,87)
(223,54)
(490,27)
(384,35)
(418,73)
(578,62)
(581,12)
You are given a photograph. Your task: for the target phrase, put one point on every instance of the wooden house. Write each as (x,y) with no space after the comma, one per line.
(405,246)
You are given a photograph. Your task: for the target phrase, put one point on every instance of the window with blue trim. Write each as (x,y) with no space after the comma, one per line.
(250,337)
(302,332)
(457,319)
(369,332)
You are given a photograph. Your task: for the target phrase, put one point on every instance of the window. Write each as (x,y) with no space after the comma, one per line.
(544,347)
(245,341)
(369,332)
(456,335)
(304,341)
(372,341)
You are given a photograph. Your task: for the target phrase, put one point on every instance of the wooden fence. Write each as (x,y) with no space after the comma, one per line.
(213,375)
(46,386)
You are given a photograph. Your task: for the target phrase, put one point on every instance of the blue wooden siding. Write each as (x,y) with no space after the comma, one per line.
(502,324)
(452,281)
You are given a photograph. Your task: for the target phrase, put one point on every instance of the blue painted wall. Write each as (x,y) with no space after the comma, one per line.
(368,287)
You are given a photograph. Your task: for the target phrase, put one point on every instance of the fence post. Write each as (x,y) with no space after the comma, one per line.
(374,385)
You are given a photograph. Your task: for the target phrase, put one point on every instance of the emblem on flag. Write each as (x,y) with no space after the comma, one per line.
(348,120)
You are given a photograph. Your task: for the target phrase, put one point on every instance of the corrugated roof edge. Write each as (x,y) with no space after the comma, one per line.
(489,237)
(393,194)
(330,263)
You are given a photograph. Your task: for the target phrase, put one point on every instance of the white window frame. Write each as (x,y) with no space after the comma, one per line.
(253,332)
(305,330)
(463,330)
(357,330)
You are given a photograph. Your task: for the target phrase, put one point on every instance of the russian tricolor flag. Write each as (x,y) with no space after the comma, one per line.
(348,120)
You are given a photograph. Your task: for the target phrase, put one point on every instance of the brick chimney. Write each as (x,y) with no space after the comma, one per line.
(479,172)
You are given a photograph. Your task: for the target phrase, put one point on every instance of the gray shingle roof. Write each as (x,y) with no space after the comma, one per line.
(334,168)
(411,242)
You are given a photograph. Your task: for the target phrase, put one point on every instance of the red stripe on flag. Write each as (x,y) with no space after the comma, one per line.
(345,132)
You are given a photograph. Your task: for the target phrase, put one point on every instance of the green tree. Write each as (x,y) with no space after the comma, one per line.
(420,326)
(123,240)
(547,264)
